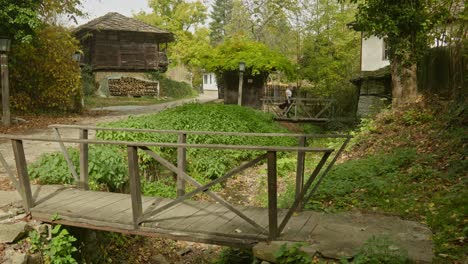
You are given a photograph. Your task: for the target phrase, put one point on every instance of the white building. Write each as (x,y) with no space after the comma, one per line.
(209,82)
(374,53)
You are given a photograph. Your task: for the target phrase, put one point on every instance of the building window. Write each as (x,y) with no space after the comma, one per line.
(385,50)
(205,79)
(211,79)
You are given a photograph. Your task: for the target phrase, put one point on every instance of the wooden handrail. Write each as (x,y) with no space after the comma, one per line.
(208,133)
(173,145)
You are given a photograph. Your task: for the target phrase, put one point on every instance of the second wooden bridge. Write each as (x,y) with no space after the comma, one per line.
(217,222)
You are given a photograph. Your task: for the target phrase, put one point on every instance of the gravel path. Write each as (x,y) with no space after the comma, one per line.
(34,150)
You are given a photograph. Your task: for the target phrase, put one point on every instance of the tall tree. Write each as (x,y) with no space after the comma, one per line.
(408,26)
(331,50)
(221,16)
(185,19)
(175,15)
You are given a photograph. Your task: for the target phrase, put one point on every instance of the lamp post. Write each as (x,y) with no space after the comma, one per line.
(77,58)
(4,49)
(241,82)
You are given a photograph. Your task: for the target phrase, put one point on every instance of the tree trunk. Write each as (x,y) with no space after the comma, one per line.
(404,83)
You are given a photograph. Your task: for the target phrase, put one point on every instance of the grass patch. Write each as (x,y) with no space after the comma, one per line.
(409,163)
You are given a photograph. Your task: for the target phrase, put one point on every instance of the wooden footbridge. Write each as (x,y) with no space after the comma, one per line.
(301,109)
(217,222)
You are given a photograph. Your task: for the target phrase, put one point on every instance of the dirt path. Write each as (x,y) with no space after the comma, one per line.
(34,150)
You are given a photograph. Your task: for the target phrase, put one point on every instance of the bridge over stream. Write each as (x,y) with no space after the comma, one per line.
(317,110)
(183,218)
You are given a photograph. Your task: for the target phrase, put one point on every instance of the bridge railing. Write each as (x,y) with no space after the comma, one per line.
(304,190)
(301,109)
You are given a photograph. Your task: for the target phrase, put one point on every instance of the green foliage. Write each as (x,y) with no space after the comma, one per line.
(413,117)
(381,250)
(235,256)
(331,55)
(258,58)
(292,254)
(171,88)
(58,250)
(163,187)
(183,18)
(177,16)
(51,82)
(107,168)
(207,163)
(19,19)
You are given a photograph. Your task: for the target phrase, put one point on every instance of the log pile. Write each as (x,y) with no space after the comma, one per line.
(128,86)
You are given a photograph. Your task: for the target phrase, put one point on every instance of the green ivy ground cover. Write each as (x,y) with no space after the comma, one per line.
(108,165)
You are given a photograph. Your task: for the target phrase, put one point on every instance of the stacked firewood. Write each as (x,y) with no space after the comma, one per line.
(128,86)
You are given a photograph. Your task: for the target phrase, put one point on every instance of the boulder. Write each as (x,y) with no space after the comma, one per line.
(15,257)
(10,233)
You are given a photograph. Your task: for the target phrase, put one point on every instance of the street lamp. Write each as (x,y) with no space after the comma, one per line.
(241,81)
(76,56)
(4,49)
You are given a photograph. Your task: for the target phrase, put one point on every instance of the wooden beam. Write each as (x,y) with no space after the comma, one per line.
(272,196)
(188,132)
(135,185)
(181,164)
(5,90)
(23,176)
(71,167)
(300,167)
(83,183)
(170,145)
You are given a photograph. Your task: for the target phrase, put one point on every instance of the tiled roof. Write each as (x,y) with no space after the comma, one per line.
(117,22)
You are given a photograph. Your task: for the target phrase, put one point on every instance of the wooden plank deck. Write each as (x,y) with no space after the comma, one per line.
(197,221)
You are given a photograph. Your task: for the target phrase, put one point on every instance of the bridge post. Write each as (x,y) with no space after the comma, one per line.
(181,165)
(83,182)
(272,195)
(300,169)
(23,176)
(135,185)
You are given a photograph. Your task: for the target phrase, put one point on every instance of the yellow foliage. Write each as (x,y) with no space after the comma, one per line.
(43,75)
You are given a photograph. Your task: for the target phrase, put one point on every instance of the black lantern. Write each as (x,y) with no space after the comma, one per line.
(77,56)
(242,66)
(4,44)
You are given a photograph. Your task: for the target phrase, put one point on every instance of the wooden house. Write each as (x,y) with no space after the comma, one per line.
(115,45)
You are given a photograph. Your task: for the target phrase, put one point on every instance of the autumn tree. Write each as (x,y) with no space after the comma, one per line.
(409,27)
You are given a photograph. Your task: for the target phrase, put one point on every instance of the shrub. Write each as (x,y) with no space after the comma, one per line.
(207,163)
(58,250)
(107,168)
(292,254)
(171,88)
(43,75)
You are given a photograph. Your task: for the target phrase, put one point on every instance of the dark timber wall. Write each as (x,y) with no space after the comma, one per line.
(121,51)
(252,92)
